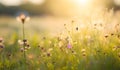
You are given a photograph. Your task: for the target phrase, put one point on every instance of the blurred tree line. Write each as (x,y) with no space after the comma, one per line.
(28,7)
(45,8)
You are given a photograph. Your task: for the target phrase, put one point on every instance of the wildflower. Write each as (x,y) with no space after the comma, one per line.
(112,34)
(25,47)
(118,36)
(83,54)
(73,52)
(48,54)
(25,40)
(20,42)
(106,36)
(23,18)
(83,50)
(1,46)
(21,49)
(77,28)
(69,46)
(28,46)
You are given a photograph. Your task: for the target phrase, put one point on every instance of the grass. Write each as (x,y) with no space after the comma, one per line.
(93,46)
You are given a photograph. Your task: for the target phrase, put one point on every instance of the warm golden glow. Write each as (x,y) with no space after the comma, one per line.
(82,2)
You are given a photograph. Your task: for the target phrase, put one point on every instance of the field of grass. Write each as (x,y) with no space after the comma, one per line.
(84,43)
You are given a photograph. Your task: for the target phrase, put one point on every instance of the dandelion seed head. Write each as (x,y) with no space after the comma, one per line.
(23,18)
(20,42)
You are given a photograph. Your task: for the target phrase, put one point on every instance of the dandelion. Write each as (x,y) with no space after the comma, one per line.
(23,18)
(20,42)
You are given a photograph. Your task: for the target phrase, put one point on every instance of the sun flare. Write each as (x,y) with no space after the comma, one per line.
(82,2)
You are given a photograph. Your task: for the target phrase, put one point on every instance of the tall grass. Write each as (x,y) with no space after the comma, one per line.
(93,43)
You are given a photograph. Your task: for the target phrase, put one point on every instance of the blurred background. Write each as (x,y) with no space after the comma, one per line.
(51,15)
(55,7)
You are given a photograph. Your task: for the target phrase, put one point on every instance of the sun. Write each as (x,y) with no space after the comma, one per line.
(82,2)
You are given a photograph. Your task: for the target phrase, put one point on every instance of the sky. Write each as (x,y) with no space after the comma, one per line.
(78,2)
(18,2)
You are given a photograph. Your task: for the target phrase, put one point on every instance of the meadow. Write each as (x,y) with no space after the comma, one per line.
(90,42)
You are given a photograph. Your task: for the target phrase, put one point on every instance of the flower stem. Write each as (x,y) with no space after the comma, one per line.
(24,55)
(24,39)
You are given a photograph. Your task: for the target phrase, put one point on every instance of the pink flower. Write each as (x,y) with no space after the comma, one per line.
(69,46)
